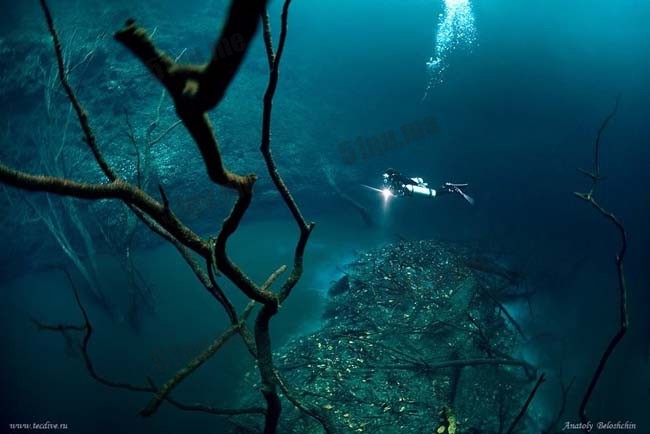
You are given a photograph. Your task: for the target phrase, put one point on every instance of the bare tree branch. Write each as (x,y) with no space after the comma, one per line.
(262,333)
(194,364)
(595,172)
(88,329)
(564,392)
(429,367)
(89,136)
(523,410)
(117,189)
(622,288)
(195,90)
(297,401)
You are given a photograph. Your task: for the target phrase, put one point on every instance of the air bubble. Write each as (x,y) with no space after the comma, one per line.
(456,28)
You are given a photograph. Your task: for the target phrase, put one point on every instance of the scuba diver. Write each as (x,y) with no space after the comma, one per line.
(396,184)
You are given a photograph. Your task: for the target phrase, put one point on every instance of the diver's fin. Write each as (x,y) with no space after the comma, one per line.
(457,189)
(467,197)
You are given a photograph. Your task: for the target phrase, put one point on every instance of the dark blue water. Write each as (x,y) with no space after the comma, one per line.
(515,114)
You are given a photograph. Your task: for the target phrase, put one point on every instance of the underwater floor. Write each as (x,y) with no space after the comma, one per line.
(454,283)
(45,374)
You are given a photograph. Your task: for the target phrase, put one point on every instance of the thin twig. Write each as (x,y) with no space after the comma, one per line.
(595,174)
(293,397)
(79,110)
(430,367)
(622,288)
(195,363)
(622,293)
(151,388)
(523,410)
(564,391)
(165,133)
(262,332)
(195,89)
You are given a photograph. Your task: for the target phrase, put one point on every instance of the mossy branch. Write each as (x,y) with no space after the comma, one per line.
(226,265)
(262,329)
(199,87)
(210,351)
(117,189)
(265,148)
(195,363)
(87,328)
(89,136)
(195,90)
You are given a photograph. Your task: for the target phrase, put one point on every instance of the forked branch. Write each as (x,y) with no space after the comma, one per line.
(87,329)
(195,90)
(524,408)
(622,288)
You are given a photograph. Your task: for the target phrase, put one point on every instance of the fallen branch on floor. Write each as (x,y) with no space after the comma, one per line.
(429,367)
(298,402)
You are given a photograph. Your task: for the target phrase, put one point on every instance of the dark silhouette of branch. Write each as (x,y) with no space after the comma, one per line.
(87,328)
(58,327)
(89,136)
(564,391)
(622,301)
(595,172)
(195,89)
(430,367)
(362,210)
(262,332)
(523,410)
(265,147)
(195,363)
(197,407)
(503,309)
(622,288)
(297,401)
(117,189)
(199,88)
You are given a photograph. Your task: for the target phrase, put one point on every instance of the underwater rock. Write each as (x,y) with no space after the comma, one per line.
(340,286)
(410,343)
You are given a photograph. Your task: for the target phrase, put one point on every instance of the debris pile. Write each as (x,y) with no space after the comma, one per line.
(414,340)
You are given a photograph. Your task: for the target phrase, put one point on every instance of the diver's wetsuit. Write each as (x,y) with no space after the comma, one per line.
(396,182)
(400,185)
